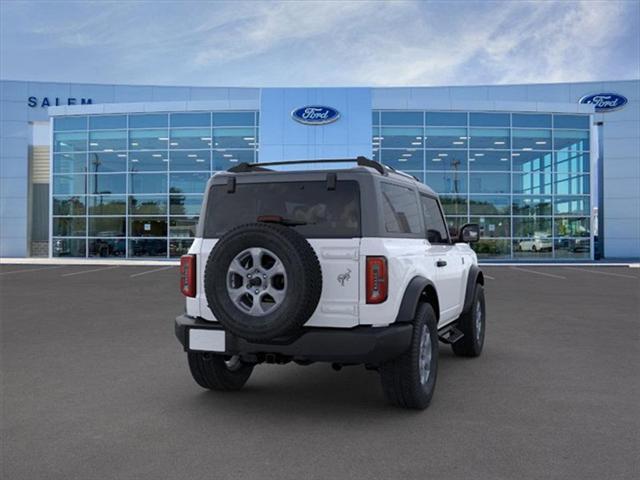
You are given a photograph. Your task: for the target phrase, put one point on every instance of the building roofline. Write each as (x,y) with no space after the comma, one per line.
(373,87)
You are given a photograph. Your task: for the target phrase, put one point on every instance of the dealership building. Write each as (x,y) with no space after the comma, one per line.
(549,171)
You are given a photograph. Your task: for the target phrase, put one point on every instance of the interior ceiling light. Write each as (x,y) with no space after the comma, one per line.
(498,143)
(479,154)
(436,159)
(527,149)
(407,154)
(443,154)
(206,139)
(416,143)
(402,159)
(458,143)
(93,144)
(227,155)
(134,144)
(164,139)
(542,142)
(192,155)
(199,160)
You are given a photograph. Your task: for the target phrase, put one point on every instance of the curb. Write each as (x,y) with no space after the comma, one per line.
(558,264)
(87,261)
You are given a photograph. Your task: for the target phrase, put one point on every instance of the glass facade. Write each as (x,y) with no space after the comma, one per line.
(131,185)
(523,177)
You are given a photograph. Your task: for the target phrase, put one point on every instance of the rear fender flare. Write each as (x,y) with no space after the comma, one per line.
(413,295)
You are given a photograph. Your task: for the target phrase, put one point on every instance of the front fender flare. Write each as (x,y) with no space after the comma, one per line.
(475,276)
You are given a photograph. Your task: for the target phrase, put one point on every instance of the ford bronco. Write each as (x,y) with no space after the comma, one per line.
(348,265)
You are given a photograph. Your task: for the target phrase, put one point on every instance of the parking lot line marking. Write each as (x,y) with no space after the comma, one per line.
(598,272)
(88,271)
(539,273)
(488,276)
(31,269)
(151,271)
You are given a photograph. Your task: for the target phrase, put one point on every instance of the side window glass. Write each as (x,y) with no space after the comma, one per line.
(401,211)
(436,227)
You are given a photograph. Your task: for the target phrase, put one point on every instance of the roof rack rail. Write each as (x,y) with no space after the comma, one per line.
(260,167)
(400,172)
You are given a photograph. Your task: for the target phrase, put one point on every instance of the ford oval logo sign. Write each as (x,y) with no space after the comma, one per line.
(605,102)
(315,115)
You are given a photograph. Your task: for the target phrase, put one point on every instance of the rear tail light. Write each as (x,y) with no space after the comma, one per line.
(188,275)
(377,279)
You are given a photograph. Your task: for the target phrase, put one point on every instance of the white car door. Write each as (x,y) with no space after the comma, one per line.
(448,264)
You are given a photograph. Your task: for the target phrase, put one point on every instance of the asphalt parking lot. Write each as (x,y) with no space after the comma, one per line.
(95,386)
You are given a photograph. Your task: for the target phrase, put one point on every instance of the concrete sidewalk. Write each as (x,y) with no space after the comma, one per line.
(87,261)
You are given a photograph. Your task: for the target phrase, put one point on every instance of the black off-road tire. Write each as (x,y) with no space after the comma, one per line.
(471,344)
(212,371)
(401,377)
(304,281)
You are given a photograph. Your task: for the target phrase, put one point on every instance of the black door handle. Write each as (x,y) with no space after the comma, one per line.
(441,263)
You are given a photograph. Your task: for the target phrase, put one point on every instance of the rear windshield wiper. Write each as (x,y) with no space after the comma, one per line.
(288,222)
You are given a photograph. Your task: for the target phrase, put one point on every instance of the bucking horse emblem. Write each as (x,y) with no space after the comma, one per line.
(344,277)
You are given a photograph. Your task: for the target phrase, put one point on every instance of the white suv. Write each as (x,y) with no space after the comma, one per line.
(347,266)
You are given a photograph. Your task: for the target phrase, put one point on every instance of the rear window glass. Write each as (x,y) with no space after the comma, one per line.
(321,212)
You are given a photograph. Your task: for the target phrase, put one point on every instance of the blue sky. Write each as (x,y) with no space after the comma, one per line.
(247,43)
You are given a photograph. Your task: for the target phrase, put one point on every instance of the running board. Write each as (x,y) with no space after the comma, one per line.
(450,334)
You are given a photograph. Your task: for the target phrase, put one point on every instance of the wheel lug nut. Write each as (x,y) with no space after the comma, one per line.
(249,276)
(257,291)
(264,276)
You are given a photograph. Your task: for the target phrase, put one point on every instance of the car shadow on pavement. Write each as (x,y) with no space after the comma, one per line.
(280,392)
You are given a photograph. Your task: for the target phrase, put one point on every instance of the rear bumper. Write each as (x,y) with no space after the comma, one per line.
(354,345)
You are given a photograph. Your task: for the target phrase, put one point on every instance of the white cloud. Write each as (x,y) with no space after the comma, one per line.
(325,43)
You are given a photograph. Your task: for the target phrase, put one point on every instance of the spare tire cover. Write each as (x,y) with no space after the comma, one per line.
(262,281)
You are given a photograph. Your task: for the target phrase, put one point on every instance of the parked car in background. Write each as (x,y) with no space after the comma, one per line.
(540,242)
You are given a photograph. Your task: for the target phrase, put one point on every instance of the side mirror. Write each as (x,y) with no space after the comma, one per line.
(469,233)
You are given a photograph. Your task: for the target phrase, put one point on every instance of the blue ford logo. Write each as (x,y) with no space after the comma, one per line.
(315,115)
(605,102)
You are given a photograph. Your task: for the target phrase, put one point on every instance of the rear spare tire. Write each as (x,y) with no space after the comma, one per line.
(262,281)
